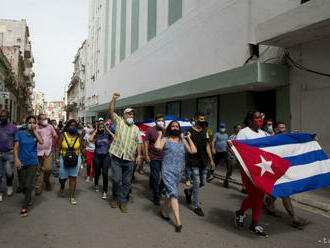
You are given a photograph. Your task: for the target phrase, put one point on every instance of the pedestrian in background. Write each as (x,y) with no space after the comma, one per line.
(236,129)
(174,147)
(44,154)
(26,159)
(8,134)
(90,149)
(54,139)
(70,147)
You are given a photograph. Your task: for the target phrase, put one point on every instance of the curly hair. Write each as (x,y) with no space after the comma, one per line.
(67,125)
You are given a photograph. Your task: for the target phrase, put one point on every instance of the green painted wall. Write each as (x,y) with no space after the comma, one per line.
(283,105)
(152,19)
(135,26)
(123,30)
(113,33)
(174,11)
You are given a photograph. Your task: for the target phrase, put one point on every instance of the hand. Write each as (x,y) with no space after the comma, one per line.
(213,152)
(262,116)
(212,165)
(34,127)
(188,136)
(115,96)
(138,160)
(147,159)
(18,164)
(160,133)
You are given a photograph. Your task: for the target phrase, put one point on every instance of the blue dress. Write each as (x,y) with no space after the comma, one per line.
(173,161)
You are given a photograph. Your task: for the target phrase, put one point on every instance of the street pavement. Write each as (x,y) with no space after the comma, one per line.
(53,222)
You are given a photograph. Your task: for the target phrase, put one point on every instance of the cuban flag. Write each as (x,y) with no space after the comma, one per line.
(284,164)
(145,125)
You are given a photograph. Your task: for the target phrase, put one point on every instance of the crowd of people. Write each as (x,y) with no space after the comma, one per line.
(39,147)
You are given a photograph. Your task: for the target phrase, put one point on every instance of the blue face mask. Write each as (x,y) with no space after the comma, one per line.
(29,127)
(72,130)
(23,126)
(3,121)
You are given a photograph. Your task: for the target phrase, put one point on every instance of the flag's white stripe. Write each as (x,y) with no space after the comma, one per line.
(293,149)
(182,124)
(299,172)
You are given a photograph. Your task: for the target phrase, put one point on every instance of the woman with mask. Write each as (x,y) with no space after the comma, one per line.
(253,121)
(90,149)
(102,137)
(70,147)
(26,159)
(174,147)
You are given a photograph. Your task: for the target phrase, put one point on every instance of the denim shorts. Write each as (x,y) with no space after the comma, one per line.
(66,172)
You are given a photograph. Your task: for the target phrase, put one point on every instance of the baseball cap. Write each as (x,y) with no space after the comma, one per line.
(128,110)
(222,124)
(101,119)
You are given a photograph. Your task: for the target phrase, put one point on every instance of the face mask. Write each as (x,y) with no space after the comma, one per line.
(130,121)
(201,123)
(270,129)
(72,130)
(222,130)
(79,132)
(23,126)
(193,123)
(29,127)
(160,124)
(44,123)
(101,131)
(175,133)
(3,121)
(258,123)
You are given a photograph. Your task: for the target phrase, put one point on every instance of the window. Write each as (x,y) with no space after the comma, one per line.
(123,30)
(113,33)
(174,11)
(152,19)
(173,109)
(135,26)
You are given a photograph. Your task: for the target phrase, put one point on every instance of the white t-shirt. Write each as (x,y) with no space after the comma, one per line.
(248,133)
(90,145)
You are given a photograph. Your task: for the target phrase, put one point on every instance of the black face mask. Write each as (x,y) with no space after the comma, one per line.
(101,131)
(202,124)
(175,133)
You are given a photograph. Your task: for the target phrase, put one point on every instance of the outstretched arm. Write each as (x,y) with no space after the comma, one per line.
(112,104)
(189,144)
(160,142)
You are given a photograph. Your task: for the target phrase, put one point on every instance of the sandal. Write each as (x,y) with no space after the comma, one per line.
(24,213)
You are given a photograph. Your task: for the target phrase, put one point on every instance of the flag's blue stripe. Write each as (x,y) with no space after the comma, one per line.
(279,139)
(167,118)
(307,158)
(306,184)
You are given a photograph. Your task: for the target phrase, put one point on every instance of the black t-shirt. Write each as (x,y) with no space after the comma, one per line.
(200,139)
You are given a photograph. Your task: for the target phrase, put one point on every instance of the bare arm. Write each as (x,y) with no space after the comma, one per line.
(92,137)
(189,145)
(160,142)
(109,131)
(208,149)
(112,104)
(18,163)
(59,146)
(39,138)
(146,151)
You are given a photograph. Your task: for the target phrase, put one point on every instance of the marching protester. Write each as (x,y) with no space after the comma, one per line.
(199,161)
(268,126)
(219,148)
(26,159)
(45,157)
(70,147)
(90,149)
(154,157)
(102,138)
(236,128)
(8,133)
(54,167)
(174,148)
(126,143)
(253,122)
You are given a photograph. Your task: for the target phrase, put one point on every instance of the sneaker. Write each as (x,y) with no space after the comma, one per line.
(188,196)
(62,192)
(114,204)
(73,201)
(123,208)
(188,183)
(0,198)
(104,196)
(10,191)
(239,219)
(199,211)
(259,230)
(88,179)
(97,188)
(211,177)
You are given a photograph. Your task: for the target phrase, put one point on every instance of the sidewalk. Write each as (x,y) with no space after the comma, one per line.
(319,199)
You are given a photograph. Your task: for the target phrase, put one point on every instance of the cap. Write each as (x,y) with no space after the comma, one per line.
(222,124)
(128,110)
(101,119)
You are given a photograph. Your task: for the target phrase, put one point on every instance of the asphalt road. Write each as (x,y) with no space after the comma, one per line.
(53,222)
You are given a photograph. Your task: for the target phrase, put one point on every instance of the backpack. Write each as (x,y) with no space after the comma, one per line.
(71,158)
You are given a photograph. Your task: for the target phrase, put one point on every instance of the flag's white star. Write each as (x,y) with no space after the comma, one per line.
(265,166)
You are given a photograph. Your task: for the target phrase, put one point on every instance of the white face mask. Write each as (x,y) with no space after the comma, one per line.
(160,124)
(130,120)
(222,130)
(45,122)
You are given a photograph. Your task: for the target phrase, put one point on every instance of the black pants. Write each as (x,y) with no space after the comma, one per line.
(102,162)
(224,156)
(27,175)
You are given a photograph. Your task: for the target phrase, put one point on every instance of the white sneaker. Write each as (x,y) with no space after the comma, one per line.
(97,188)
(10,190)
(88,179)
(105,196)
(73,201)
(0,198)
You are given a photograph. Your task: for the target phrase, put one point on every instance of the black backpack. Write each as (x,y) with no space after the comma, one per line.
(71,158)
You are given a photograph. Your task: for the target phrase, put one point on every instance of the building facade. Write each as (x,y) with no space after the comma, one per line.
(55,110)
(222,57)
(16,46)
(38,103)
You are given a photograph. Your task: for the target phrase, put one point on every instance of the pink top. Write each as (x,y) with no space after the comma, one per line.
(47,134)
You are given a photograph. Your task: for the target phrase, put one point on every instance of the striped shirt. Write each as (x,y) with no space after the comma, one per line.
(126,139)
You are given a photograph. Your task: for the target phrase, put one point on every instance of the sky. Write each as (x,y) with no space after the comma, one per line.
(57,30)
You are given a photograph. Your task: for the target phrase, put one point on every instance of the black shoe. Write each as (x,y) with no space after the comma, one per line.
(199,211)
(239,219)
(164,217)
(226,184)
(188,196)
(210,178)
(156,201)
(259,230)
(178,228)
(244,191)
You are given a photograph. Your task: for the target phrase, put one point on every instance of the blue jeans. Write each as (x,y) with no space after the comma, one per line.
(199,179)
(122,171)
(7,166)
(155,177)
(188,172)
(102,162)
(54,167)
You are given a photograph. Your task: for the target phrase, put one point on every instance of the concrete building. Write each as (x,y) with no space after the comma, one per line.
(16,46)
(76,88)
(55,110)
(38,103)
(222,57)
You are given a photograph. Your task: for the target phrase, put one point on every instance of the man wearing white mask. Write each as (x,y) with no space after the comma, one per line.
(44,150)
(154,157)
(126,142)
